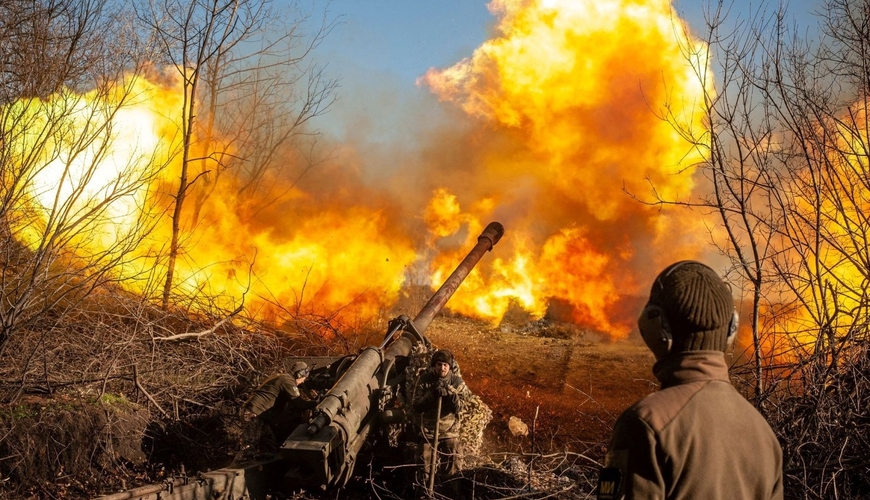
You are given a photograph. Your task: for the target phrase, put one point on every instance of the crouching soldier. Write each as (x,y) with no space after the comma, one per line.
(278,405)
(437,400)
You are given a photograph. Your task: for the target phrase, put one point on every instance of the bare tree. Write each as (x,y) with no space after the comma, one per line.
(49,44)
(247,87)
(788,163)
(739,145)
(57,194)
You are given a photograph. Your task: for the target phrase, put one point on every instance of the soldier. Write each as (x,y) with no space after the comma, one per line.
(439,383)
(278,403)
(697,437)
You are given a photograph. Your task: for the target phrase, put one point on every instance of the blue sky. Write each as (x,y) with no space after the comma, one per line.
(403,38)
(379,48)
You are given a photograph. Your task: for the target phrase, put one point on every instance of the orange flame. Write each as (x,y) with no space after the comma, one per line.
(559,129)
(826,262)
(327,259)
(562,98)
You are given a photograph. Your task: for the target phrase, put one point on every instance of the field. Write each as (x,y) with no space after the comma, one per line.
(568,386)
(554,391)
(565,384)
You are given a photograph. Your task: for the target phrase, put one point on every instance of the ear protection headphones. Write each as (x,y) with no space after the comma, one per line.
(655,328)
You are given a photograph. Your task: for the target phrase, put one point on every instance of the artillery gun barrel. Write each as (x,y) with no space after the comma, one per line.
(485,242)
(326,448)
(487,239)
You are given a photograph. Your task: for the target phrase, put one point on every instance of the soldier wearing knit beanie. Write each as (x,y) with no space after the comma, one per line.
(696,437)
(690,308)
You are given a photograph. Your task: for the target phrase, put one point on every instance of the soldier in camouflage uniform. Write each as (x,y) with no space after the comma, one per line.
(440,382)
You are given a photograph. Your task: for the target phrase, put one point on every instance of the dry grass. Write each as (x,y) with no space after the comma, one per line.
(824,425)
(73,383)
(70,385)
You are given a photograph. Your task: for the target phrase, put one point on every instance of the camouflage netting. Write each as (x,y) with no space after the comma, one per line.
(474,414)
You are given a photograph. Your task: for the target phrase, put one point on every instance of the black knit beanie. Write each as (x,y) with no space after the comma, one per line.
(697,304)
(442,356)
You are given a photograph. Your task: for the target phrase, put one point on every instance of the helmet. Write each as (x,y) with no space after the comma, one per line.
(299,369)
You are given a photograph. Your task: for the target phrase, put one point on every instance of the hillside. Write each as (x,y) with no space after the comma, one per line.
(89,436)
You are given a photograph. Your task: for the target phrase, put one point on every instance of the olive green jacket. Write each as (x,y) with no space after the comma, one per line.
(695,438)
(278,391)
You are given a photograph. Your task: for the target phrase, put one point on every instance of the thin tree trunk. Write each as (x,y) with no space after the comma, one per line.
(180,196)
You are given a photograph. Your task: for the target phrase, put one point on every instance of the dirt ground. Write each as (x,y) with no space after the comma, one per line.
(568,386)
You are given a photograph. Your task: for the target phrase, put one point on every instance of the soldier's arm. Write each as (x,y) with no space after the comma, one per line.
(287,385)
(631,467)
(778,488)
(424,396)
(263,397)
(304,401)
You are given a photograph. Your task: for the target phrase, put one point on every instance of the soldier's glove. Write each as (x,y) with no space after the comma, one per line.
(443,390)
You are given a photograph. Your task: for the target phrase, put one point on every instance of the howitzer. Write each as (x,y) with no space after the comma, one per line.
(324,451)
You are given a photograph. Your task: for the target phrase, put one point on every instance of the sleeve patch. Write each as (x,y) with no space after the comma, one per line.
(611,477)
(609,484)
